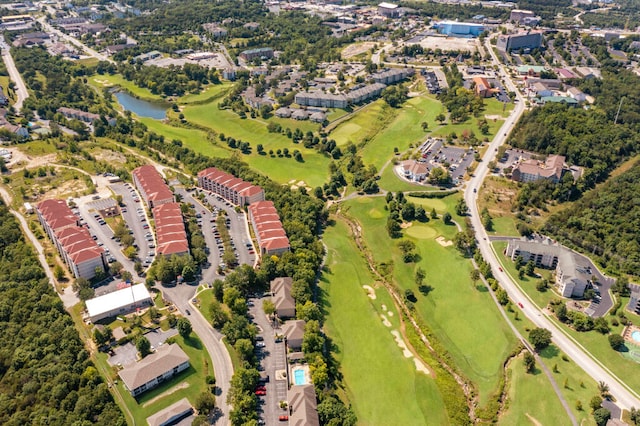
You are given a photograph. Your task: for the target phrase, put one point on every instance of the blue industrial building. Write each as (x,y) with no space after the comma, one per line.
(459,29)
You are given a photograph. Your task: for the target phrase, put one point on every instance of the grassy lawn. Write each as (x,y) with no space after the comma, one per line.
(208,94)
(390,182)
(191,381)
(362,124)
(117,80)
(477,339)
(528,403)
(313,170)
(378,377)
(37,148)
(403,131)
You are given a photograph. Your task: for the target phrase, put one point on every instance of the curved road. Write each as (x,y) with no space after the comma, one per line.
(21,88)
(625,396)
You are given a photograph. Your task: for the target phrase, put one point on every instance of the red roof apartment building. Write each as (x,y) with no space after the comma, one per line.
(226,185)
(152,186)
(268,229)
(170,231)
(74,242)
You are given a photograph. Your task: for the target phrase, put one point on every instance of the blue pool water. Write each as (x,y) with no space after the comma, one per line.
(636,336)
(300,379)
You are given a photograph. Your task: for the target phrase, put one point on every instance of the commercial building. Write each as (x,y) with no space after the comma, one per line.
(572,278)
(152,186)
(482,87)
(524,17)
(524,40)
(389,10)
(303,407)
(416,171)
(166,362)
(170,231)
(534,170)
(77,248)
(272,239)
(262,53)
(226,185)
(119,302)
(281,296)
(459,29)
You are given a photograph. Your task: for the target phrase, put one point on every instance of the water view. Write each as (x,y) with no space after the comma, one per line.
(141,107)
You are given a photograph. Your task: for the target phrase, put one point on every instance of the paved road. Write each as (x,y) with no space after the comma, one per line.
(48,28)
(21,88)
(625,397)
(181,296)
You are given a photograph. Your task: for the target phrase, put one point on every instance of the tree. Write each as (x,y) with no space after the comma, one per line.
(434,215)
(184,327)
(143,346)
(425,126)
(461,208)
(601,416)
(616,342)
(244,348)
(474,275)
(446,218)
(595,403)
(268,307)
(540,338)
(205,402)
(58,272)
(529,362)
(440,118)
(603,388)
(421,214)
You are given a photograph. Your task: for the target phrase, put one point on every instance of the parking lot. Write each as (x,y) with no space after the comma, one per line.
(457,160)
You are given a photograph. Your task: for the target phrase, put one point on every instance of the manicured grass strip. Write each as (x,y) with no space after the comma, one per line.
(383,386)
(107,80)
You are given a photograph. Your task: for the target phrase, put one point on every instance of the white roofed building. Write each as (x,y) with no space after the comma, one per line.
(119,302)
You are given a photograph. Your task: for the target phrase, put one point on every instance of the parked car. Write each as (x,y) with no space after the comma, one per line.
(283,418)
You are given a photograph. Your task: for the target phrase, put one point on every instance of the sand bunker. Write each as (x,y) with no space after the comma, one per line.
(370,292)
(385,321)
(443,242)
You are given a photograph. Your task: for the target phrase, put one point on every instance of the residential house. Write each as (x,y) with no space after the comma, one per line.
(576,94)
(170,230)
(172,414)
(540,90)
(154,369)
(215,30)
(283,112)
(293,331)
(281,296)
(272,239)
(303,406)
(318,117)
(4,101)
(299,114)
(392,75)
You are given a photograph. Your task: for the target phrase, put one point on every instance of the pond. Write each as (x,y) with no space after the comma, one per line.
(141,107)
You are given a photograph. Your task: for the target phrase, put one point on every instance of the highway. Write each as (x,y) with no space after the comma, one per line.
(48,28)
(625,397)
(21,89)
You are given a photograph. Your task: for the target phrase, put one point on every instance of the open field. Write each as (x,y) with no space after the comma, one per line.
(465,333)
(365,123)
(116,80)
(378,377)
(403,131)
(528,404)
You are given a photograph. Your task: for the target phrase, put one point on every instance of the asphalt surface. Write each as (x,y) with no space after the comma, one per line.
(50,29)
(21,89)
(626,397)
(272,357)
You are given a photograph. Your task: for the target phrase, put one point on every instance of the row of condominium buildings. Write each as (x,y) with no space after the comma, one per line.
(267,227)
(169,223)
(74,242)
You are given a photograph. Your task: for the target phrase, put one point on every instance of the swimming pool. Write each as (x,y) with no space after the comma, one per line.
(299,378)
(636,336)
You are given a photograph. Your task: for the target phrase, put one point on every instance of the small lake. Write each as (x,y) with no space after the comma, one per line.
(142,108)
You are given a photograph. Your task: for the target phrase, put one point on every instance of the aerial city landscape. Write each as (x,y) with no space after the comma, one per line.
(320,212)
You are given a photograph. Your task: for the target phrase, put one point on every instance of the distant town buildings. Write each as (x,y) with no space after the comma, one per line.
(74,242)
(215,30)
(261,53)
(459,29)
(389,10)
(524,17)
(166,362)
(523,40)
(534,170)
(119,302)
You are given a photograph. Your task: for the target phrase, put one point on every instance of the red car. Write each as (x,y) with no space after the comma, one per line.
(499,267)
(261,388)
(521,306)
(283,418)
(261,392)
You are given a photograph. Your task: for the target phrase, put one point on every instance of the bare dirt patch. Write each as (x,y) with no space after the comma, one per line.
(356,49)
(110,157)
(449,43)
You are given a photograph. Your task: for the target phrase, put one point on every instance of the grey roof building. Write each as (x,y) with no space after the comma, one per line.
(281,296)
(303,407)
(294,332)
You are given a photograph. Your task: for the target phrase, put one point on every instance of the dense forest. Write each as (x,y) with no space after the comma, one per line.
(46,376)
(605,223)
